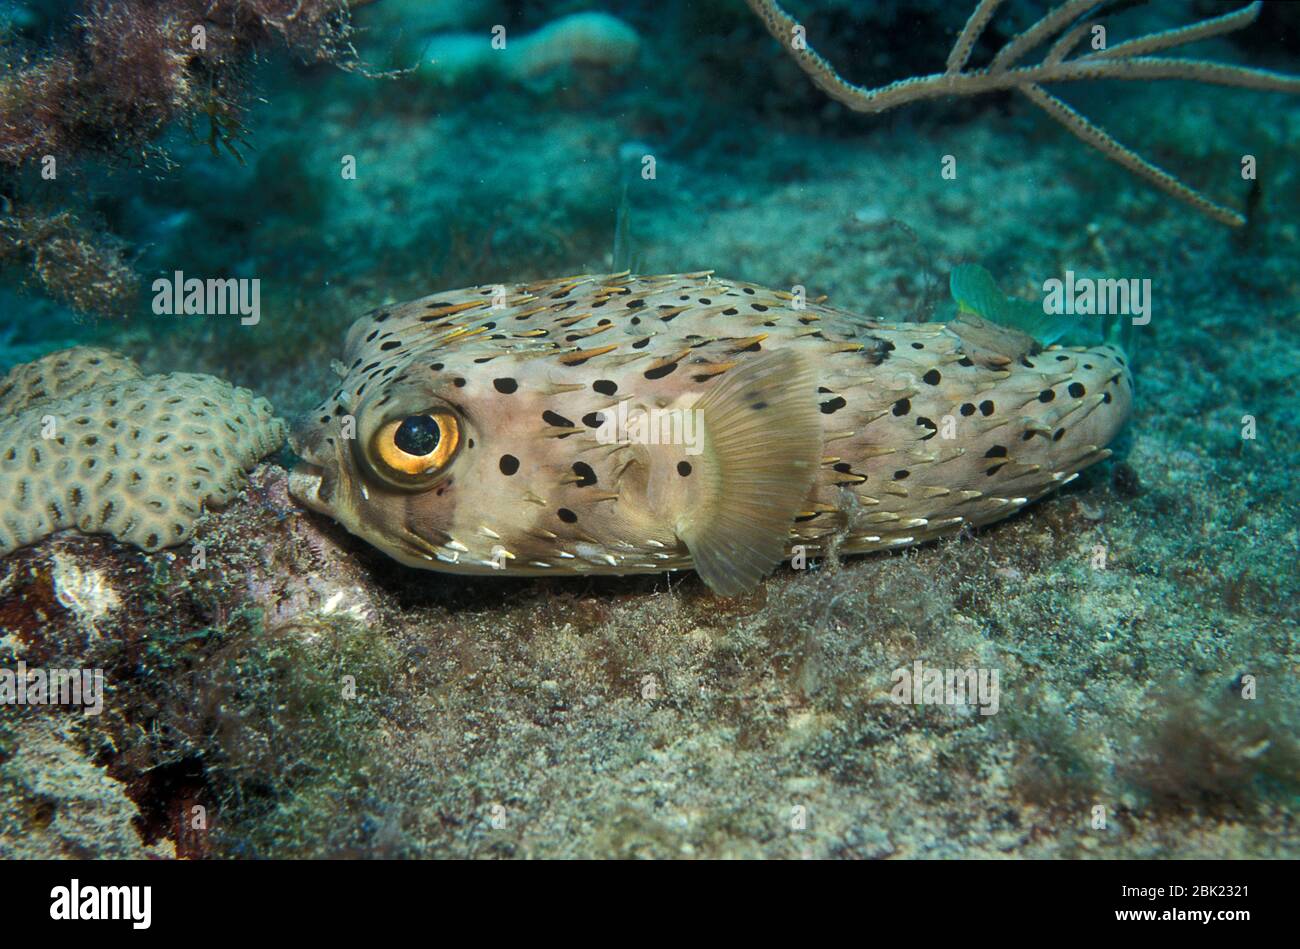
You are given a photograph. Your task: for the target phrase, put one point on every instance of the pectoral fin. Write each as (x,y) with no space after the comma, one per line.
(761,451)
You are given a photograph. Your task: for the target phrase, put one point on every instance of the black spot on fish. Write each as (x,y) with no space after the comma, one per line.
(834,405)
(505,386)
(660,372)
(592,420)
(585,473)
(1077,391)
(968,409)
(901,474)
(683,468)
(641,343)
(932,378)
(458,382)
(551,418)
(508,464)
(391,344)
(843,467)
(605,386)
(986,408)
(1047,395)
(997,451)
(567,516)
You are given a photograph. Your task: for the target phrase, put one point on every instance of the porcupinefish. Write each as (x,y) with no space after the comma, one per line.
(617,424)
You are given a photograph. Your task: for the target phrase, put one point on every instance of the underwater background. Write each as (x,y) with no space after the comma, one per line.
(352,159)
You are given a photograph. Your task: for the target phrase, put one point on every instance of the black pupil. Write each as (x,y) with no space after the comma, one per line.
(417,435)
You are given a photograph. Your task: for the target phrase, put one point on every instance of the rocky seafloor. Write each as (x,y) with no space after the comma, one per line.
(645,717)
(316,699)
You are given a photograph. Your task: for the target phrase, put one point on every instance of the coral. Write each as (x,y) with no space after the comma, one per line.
(72,263)
(89,443)
(131,69)
(1066,25)
(580,39)
(134,67)
(73,372)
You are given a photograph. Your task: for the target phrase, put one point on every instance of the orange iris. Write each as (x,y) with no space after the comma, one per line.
(417,445)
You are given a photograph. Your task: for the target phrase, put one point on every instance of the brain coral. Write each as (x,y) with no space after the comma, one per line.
(86,441)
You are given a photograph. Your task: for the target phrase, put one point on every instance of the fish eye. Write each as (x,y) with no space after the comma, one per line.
(412,449)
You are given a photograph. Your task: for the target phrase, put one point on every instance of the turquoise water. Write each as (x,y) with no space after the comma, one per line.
(348,162)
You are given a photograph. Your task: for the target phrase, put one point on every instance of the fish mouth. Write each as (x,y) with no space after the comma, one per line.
(312,486)
(307,486)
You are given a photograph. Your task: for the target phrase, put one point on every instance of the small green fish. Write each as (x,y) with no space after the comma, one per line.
(625,424)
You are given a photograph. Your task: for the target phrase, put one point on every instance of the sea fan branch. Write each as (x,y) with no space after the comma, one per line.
(1123,61)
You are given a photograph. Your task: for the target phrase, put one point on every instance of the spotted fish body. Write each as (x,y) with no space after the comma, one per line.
(816,426)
